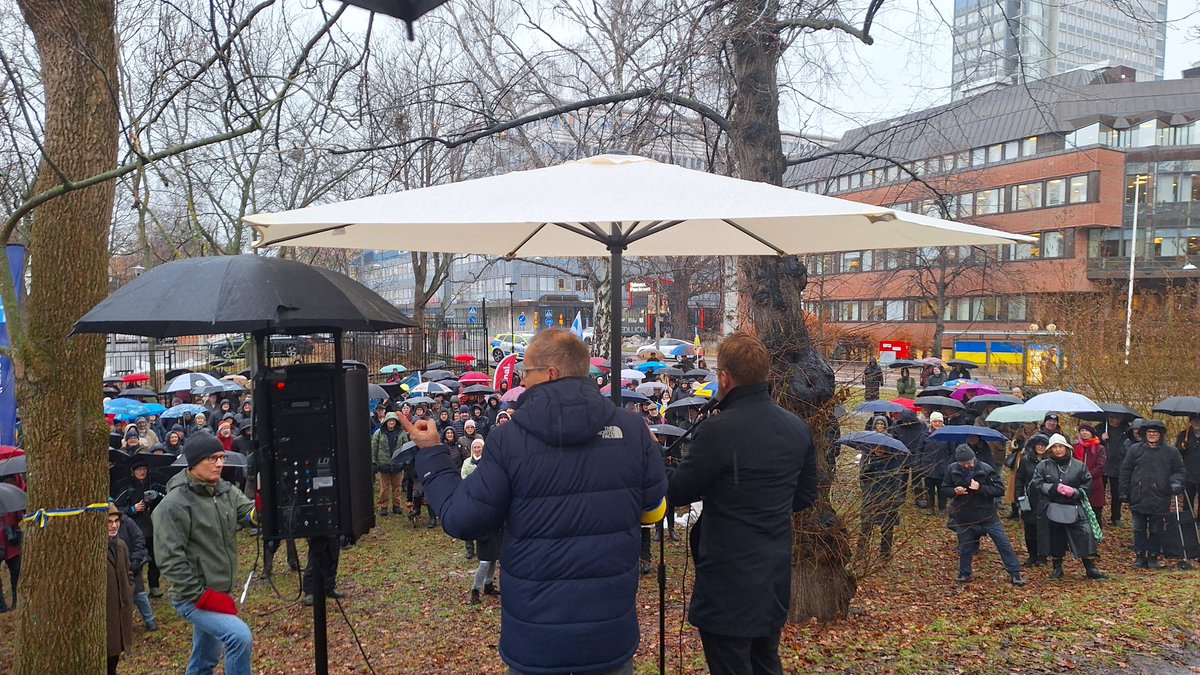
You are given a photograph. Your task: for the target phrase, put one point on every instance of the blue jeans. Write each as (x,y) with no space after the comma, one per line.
(1148,529)
(142,601)
(968,546)
(212,633)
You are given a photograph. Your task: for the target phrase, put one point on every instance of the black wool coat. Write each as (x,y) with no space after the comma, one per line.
(753,465)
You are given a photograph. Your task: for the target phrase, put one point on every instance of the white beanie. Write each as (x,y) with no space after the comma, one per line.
(1057,439)
(936,416)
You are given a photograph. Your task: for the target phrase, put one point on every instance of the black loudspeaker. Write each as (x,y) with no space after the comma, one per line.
(315,470)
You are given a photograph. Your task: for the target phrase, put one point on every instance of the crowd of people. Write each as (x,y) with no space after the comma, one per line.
(1059,484)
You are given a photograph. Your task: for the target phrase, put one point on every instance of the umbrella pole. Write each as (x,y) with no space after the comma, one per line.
(614,337)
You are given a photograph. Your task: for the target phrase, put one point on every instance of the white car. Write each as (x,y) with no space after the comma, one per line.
(666,347)
(589,335)
(508,343)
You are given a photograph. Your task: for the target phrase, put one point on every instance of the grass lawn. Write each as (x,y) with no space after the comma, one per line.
(407,599)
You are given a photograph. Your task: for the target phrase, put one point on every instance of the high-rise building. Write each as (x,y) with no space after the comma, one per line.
(1014,41)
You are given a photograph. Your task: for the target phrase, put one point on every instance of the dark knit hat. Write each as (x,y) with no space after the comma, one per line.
(1088,427)
(200,447)
(964,454)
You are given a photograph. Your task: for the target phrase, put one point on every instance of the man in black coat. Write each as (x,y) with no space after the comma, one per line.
(1151,472)
(973,487)
(753,465)
(1114,435)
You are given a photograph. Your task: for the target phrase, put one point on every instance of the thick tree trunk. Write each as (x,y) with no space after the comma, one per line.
(802,381)
(61,625)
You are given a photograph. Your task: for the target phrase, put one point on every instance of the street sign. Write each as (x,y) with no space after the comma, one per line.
(472,311)
(521,320)
(470,318)
(549,318)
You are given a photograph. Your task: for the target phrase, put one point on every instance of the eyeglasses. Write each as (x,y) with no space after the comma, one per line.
(532,368)
(213,459)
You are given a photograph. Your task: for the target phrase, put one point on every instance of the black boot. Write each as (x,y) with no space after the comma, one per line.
(1057,573)
(490,589)
(674,537)
(657,536)
(433,521)
(470,545)
(1092,572)
(1152,562)
(475,596)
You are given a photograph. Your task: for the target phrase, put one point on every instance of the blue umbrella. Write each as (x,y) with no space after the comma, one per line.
(118,406)
(961,381)
(628,396)
(652,366)
(144,410)
(958,433)
(178,411)
(866,440)
(880,406)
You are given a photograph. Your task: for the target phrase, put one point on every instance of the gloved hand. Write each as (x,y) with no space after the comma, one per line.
(1066,490)
(1176,488)
(212,601)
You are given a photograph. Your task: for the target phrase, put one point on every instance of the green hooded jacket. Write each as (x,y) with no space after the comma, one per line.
(195,535)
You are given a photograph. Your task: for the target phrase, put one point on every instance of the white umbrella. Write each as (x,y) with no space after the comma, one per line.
(1013,414)
(193,381)
(631,374)
(1063,402)
(649,388)
(430,388)
(611,205)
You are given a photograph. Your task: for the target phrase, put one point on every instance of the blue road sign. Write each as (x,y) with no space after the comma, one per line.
(549,318)
(470,318)
(472,311)
(521,320)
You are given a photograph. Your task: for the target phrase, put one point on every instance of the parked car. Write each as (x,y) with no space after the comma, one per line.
(509,343)
(589,335)
(234,346)
(667,347)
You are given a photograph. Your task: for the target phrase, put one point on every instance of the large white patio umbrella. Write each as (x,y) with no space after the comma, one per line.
(612,205)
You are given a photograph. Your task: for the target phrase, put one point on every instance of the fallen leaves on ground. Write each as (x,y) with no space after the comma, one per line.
(407,598)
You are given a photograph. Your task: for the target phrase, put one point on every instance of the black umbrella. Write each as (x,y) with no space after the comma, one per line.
(434,365)
(240,294)
(172,374)
(1110,409)
(479,389)
(394,389)
(1179,406)
(868,440)
(671,371)
(698,373)
(407,11)
(12,498)
(993,399)
(962,363)
(376,391)
(666,430)
(117,457)
(935,391)
(12,466)
(691,401)
(938,401)
(904,363)
(405,453)
(438,375)
(137,392)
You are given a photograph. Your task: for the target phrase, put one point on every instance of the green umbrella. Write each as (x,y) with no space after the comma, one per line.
(393,368)
(593,371)
(1016,414)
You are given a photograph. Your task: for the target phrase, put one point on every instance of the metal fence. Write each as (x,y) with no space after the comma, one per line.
(439,340)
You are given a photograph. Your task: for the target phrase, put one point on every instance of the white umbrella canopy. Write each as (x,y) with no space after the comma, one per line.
(612,205)
(571,210)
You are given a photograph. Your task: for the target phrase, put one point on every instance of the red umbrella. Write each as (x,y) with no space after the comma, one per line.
(7,451)
(136,377)
(599,362)
(907,403)
(475,378)
(465,358)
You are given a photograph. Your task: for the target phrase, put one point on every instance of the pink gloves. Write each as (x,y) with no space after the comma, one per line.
(1066,490)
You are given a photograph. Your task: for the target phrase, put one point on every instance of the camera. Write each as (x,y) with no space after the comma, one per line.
(151,495)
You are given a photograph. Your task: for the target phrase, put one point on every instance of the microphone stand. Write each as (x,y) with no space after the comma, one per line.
(662,543)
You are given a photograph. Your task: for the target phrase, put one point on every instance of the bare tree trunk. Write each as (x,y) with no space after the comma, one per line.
(61,625)
(803,382)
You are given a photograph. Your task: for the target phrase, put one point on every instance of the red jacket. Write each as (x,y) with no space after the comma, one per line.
(1095,458)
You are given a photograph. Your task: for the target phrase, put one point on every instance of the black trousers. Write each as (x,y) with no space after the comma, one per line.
(933,493)
(728,655)
(1114,485)
(331,552)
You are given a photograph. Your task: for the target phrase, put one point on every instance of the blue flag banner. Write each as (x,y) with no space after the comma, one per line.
(8,382)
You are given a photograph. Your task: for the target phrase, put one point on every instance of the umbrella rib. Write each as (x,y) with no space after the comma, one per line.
(753,236)
(323,230)
(513,253)
(588,230)
(653,228)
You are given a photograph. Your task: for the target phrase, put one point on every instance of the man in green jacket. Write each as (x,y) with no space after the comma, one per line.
(195,528)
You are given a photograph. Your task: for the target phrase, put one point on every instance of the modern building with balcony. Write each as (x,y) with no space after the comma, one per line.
(1073,160)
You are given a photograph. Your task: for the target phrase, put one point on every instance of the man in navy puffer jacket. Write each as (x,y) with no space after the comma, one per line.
(571,479)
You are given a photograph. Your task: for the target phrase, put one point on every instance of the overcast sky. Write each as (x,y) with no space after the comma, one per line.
(908,67)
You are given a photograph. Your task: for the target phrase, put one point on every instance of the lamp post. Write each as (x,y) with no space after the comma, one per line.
(1138,181)
(512,289)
